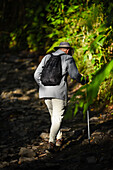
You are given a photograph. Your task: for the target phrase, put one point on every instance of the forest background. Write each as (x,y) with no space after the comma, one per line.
(38,26)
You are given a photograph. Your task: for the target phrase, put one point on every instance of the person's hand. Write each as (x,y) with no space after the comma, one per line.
(87,79)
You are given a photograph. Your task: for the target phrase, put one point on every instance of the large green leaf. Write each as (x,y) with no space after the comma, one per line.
(89,92)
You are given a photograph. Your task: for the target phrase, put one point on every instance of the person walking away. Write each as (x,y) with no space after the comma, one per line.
(56,96)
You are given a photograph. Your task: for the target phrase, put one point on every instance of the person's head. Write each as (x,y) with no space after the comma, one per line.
(66,50)
(65,46)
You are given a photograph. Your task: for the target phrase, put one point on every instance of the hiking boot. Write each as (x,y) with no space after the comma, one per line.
(59,142)
(51,147)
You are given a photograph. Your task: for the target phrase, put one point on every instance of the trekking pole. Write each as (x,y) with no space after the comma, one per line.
(88,124)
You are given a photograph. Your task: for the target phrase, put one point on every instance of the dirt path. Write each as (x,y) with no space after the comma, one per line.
(24,126)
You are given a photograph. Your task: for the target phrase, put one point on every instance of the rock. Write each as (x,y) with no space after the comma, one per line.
(24,98)
(26,152)
(110,132)
(3,146)
(93,119)
(91,160)
(3,164)
(17,91)
(31,91)
(65,129)
(35,147)
(14,161)
(24,159)
(5,95)
(44,136)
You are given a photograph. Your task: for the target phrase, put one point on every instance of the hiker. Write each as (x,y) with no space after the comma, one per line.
(56,96)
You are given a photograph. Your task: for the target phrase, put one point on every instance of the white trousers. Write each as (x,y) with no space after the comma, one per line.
(56,109)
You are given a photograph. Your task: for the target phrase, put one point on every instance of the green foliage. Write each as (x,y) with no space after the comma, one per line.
(85,27)
(23,25)
(36,27)
(86,95)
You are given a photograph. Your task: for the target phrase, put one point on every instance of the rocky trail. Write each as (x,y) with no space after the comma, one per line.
(25,122)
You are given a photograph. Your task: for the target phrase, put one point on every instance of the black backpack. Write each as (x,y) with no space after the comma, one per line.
(52,71)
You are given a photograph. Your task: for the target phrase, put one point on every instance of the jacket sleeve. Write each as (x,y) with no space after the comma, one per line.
(73,71)
(37,74)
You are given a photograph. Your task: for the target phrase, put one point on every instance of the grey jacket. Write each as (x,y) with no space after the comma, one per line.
(59,91)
